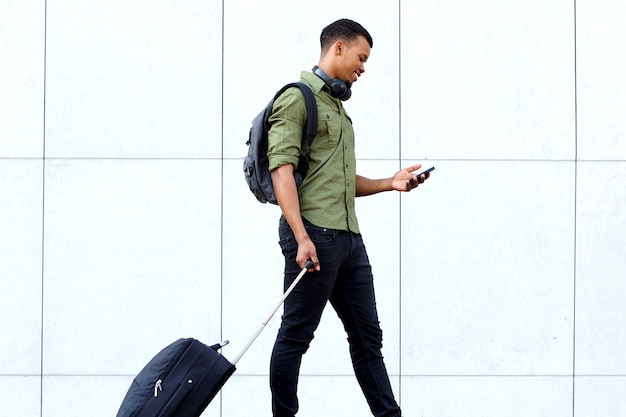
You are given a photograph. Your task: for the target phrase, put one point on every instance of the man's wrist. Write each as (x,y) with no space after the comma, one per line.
(301,237)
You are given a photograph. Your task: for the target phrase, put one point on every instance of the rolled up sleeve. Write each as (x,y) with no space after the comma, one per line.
(286,129)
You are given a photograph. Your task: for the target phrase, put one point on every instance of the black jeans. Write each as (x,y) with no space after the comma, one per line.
(346,280)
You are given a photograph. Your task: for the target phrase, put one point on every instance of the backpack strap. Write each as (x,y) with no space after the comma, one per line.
(311,122)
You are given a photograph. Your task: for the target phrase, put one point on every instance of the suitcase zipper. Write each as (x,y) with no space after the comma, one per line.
(157,388)
(157,385)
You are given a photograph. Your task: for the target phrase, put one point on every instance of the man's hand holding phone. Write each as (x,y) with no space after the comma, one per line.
(418,178)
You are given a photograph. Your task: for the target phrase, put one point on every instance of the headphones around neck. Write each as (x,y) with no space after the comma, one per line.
(337,87)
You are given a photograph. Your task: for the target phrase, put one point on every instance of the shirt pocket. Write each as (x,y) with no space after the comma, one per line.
(328,129)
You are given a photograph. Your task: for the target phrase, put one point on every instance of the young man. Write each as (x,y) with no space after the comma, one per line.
(319,223)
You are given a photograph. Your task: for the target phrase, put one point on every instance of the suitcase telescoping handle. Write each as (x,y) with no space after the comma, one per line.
(309,264)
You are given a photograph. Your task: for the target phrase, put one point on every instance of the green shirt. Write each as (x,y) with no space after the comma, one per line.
(328,191)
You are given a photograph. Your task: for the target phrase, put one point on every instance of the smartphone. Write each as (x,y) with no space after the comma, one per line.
(411,181)
(426,171)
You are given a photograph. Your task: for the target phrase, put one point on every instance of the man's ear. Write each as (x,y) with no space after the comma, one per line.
(339,47)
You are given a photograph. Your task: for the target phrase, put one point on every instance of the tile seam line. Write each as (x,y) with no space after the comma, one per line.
(43,210)
(346,375)
(222,159)
(71,158)
(399,393)
(575,249)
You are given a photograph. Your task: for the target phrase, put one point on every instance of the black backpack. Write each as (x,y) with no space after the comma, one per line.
(256,164)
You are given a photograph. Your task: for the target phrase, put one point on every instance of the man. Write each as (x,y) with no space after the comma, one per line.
(319,223)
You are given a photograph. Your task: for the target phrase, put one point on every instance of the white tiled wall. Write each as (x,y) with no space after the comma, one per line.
(125,222)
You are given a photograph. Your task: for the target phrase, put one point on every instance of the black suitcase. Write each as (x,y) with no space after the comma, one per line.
(183,378)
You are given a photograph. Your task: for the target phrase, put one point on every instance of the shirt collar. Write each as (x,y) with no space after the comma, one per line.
(316,83)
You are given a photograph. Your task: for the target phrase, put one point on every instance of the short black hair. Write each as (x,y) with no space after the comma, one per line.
(343,29)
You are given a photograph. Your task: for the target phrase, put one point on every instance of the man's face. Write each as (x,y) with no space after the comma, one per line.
(351,60)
